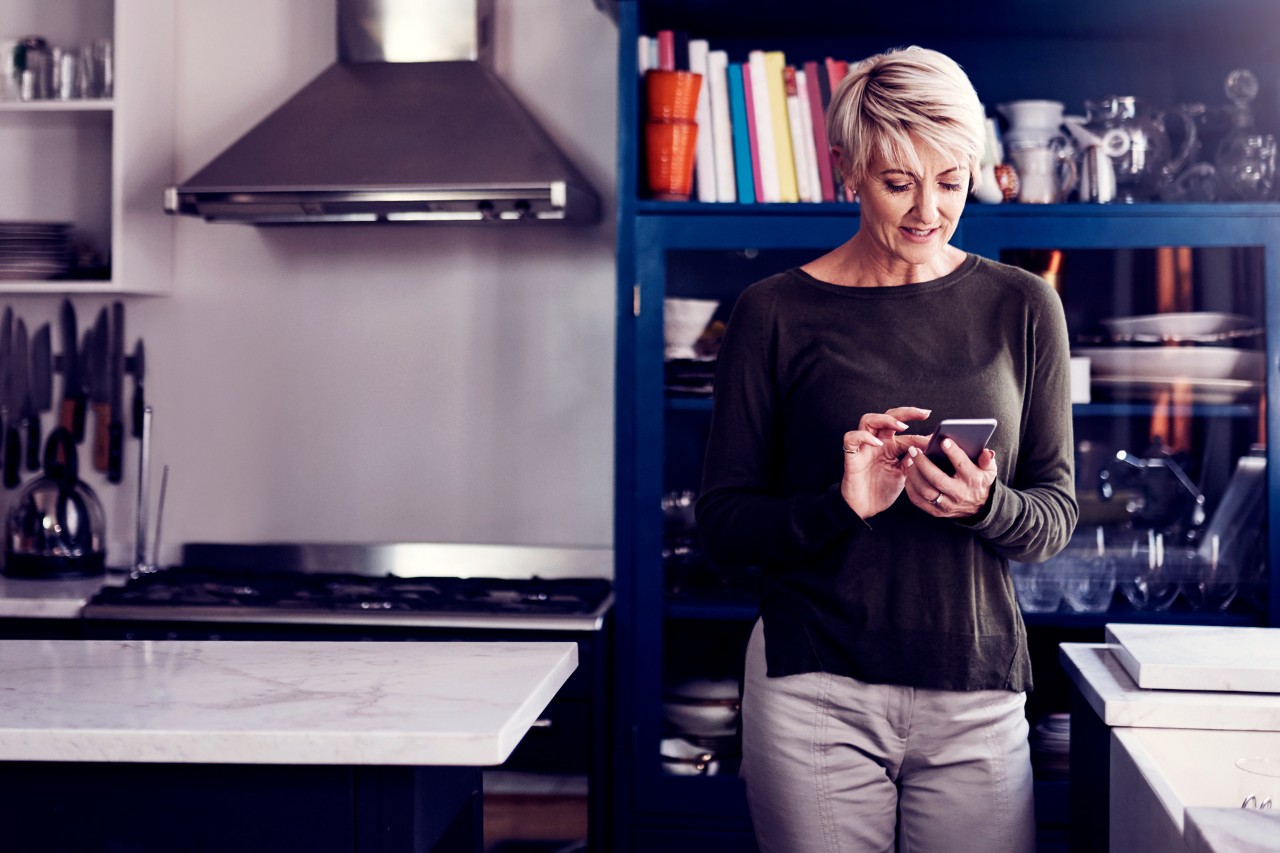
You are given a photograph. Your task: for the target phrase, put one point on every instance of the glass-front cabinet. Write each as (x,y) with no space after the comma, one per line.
(1173,313)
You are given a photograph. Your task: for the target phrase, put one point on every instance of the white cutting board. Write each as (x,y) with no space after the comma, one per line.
(1198,657)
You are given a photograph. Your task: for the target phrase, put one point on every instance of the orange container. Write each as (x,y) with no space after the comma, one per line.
(672,95)
(670,148)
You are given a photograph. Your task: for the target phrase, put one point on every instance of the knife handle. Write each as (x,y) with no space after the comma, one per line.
(101,435)
(115,451)
(139,406)
(12,458)
(72,416)
(33,443)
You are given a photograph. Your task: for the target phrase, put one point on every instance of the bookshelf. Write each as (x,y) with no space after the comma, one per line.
(711,249)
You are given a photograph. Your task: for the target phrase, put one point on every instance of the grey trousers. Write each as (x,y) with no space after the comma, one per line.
(834,764)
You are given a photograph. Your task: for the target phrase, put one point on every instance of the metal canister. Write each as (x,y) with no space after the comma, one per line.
(35,64)
(65,73)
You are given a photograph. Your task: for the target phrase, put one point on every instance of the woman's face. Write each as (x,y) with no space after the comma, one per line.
(909,218)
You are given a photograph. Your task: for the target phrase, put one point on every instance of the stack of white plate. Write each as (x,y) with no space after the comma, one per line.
(701,717)
(34,250)
(1051,746)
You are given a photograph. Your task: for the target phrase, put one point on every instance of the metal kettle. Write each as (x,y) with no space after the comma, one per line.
(56,527)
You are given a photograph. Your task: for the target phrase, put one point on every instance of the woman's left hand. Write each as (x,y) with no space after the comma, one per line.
(961,496)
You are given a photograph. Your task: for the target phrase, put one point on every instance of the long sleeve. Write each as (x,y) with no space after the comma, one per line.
(1033,517)
(741,517)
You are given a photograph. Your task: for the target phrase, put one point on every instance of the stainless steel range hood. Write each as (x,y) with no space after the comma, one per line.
(411,125)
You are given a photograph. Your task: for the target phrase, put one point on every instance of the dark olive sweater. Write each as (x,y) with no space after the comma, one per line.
(902,598)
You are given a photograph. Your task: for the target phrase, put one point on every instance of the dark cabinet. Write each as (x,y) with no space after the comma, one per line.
(680,617)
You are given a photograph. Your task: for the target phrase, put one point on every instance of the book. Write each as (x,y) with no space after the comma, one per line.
(837,70)
(704,162)
(818,122)
(717,85)
(764,136)
(742,168)
(680,50)
(814,149)
(775,62)
(753,132)
(666,50)
(801,140)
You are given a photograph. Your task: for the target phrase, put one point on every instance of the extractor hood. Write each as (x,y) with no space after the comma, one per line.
(410,125)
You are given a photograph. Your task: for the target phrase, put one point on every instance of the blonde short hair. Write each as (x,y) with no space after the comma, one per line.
(892,101)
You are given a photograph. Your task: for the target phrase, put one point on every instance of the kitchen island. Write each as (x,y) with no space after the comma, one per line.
(222,745)
(1153,769)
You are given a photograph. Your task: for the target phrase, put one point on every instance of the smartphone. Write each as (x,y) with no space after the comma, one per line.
(971,434)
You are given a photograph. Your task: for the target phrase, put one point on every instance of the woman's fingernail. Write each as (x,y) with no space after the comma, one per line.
(878,442)
(946,443)
(901,425)
(911,451)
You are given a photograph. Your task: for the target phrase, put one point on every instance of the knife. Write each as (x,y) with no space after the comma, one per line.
(41,391)
(100,388)
(18,404)
(6,377)
(115,429)
(137,365)
(71,412)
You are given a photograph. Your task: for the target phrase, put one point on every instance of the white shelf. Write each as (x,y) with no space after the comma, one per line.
(74,106)
(100,164)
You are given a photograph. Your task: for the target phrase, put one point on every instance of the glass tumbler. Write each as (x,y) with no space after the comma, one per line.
(1210,577)
(1037,585)
(1088,579)
(1145,577)
(1259,782)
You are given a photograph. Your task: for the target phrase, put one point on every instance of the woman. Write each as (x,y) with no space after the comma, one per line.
(885,680)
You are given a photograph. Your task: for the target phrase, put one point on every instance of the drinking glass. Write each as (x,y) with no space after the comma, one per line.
(1037,585)
(1259,782)
(1088,576)
(1210,577)
(1145,577)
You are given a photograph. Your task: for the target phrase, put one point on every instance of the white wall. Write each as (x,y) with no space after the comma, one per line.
(383,384)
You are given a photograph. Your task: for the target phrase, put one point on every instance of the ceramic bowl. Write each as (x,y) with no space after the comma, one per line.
(681,758)
(683,322)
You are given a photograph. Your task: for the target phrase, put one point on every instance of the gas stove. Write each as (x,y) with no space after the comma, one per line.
(299,585)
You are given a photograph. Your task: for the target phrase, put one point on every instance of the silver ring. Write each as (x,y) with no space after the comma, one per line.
(936,501)
(852,449)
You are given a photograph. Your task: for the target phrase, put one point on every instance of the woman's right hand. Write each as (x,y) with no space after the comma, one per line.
(874,473)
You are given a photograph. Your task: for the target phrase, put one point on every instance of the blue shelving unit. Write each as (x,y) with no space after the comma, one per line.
(1011,50)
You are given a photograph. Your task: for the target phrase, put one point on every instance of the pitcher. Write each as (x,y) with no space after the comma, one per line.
(1136,138)
(1046,173)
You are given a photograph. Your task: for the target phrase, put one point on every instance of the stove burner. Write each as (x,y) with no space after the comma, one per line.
(231,591)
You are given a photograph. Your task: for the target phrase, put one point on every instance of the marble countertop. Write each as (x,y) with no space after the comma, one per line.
(1119,701)
(232,702)
(49,599)
(1213,830)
